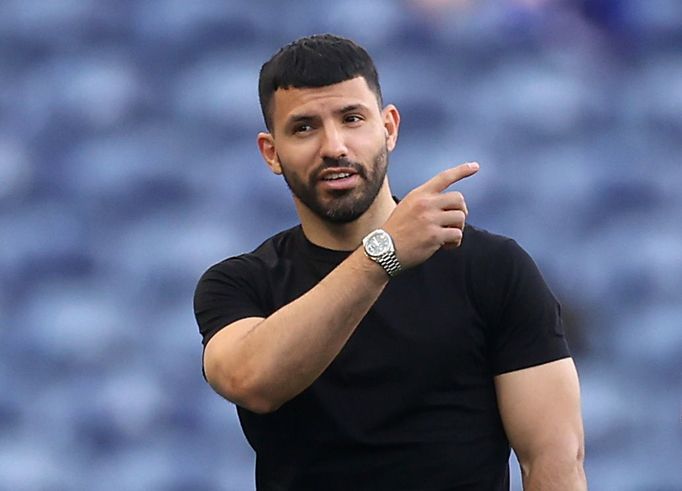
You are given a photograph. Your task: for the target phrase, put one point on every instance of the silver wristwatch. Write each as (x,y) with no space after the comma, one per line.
(379,248)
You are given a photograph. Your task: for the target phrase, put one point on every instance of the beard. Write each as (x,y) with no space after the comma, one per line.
(345,205)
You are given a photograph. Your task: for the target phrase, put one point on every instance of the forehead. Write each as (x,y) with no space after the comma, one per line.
(318,100)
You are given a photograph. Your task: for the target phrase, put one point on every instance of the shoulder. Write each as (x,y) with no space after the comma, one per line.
(277,247)
(523,317)
(483,256)
(499,259)
(248,272)
(500,271)
(266,256)
(482,247)
(476,238)
(240,286)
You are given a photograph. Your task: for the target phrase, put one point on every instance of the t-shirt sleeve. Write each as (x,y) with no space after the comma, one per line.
(228,291)
(527,329)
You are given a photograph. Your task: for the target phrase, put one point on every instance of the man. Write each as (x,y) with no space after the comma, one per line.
(380,344)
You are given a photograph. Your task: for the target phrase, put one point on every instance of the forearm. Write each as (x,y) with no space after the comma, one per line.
(262,363)
(285,353)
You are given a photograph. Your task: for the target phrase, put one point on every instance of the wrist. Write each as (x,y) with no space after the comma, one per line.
(370,269)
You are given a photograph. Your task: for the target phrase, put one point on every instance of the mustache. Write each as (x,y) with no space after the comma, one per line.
(329,163)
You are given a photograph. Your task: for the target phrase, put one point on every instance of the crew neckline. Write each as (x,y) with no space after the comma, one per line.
(318,252)
(322,253)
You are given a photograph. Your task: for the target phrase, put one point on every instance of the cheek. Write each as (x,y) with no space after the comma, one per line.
(299,159)
(375,144)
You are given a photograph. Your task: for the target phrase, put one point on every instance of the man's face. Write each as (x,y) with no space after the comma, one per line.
(330,144)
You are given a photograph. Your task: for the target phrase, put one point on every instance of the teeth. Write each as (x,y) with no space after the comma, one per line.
(340,175)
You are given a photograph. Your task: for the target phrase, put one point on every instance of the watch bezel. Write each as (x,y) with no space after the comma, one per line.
(389,241)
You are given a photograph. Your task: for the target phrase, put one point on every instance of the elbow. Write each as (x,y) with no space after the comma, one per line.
(562,465)
(580,454)
(256,403)
(261,407)
(575,457)
(246,391)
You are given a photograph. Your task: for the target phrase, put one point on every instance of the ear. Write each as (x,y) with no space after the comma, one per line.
(391,125)
(266,145)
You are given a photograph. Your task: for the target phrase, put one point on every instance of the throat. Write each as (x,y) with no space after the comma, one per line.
(345,236)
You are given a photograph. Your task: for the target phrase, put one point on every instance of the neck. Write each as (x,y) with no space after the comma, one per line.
(346,236)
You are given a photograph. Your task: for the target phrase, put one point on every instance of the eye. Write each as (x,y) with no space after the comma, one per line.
(302,128)
(352,118)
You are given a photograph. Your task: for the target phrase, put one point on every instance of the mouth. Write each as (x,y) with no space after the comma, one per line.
(339,178)
(336,176)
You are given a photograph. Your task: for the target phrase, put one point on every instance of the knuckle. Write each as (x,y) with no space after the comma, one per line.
(432,235)
(454,235)
(454,200)
(421,203)
(456,218)
(412,193)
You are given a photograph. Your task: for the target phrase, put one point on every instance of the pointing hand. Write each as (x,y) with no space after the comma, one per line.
(429,218)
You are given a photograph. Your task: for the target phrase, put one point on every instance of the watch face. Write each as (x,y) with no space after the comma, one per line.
(378,244)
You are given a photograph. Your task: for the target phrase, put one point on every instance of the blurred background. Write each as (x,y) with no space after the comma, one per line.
(128,165)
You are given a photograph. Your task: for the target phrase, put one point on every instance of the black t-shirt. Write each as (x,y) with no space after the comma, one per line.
(409,403)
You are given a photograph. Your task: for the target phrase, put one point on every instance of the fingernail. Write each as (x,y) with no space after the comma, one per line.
(473,165)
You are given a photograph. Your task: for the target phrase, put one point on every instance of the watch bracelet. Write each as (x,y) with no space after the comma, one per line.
(390,264)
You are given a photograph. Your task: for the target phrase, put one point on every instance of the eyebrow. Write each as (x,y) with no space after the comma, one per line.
(350,108)
(299,118)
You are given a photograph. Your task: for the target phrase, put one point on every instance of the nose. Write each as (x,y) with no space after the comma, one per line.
(333,144)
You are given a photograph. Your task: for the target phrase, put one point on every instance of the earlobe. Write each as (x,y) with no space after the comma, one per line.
(266,145)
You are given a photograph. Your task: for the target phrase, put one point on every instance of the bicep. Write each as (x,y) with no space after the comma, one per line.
(222,354)
(540,408)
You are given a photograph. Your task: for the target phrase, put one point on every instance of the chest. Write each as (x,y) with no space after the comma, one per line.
(424,326)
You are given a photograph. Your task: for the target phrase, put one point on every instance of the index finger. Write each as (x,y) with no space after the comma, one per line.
(441,181)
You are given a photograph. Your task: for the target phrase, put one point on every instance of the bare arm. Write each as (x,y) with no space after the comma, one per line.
(262,363)
(540,410)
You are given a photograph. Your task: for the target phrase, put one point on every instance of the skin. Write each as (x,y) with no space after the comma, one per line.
(335,202)
(297,147)
(261,363)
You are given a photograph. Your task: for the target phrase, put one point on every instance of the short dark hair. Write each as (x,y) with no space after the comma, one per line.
(315,61)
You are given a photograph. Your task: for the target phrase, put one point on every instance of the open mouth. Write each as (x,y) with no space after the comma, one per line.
(337,173)
(339,179)
(336,176)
